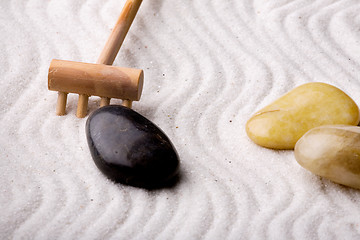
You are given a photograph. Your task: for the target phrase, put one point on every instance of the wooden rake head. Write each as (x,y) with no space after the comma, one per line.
(99,79)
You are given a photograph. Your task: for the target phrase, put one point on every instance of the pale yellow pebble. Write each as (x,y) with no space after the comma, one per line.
(332,152)
(282,123)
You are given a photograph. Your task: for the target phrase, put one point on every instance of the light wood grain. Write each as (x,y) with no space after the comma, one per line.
(117,37)
(104,101)
(98,79)
(95,79)
(61,103)
(82,106)
(127,103)
(119,32)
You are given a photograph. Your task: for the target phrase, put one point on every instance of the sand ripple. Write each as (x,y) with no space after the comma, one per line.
(208,65)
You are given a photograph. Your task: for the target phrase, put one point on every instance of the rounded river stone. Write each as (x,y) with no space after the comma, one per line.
(332,152)
(130,149)
(282,123)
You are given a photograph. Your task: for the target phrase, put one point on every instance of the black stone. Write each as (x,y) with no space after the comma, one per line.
(130,149)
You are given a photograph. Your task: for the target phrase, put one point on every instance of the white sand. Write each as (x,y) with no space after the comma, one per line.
(208,66)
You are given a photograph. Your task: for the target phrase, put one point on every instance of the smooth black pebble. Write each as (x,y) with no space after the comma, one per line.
(130,149)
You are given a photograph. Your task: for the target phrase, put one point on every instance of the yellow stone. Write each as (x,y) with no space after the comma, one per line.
(332,152)
(282,123)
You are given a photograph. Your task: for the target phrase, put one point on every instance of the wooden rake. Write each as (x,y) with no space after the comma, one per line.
(100,79)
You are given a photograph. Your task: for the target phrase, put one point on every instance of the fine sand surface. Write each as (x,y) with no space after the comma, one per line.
(209,65)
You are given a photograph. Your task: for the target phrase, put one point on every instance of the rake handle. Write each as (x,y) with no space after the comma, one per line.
(112,47)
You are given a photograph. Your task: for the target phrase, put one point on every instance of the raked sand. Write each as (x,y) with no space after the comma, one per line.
(209,65)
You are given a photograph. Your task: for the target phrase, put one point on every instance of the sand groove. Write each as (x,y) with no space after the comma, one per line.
(208,66)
